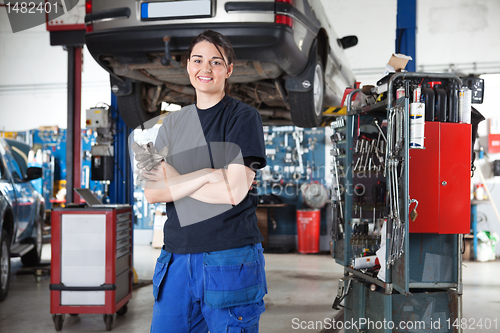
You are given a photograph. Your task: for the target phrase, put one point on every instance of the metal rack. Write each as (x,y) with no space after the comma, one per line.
(365,294)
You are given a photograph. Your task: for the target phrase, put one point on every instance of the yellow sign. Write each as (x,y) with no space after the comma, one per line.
(335,111)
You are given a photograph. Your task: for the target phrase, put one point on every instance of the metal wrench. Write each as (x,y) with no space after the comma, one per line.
(368,150)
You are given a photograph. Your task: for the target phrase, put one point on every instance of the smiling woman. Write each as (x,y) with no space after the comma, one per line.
(208,72)
(210,274)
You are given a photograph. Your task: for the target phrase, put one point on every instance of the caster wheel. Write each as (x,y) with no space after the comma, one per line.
(108,320)
(58,321)
(73,314)
(122,310)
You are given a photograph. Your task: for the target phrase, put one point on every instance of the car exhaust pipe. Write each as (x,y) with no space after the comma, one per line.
(167,58)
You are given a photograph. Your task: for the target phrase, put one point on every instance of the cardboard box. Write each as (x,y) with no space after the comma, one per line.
(398,62)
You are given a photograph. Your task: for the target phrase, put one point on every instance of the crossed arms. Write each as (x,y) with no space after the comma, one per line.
(214,186)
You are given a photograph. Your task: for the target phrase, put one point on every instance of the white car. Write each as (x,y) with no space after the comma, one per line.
(289,64)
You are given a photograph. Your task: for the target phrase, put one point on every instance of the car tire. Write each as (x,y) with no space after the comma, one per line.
(4,265)
(306,108)
(34,256)
(133,109)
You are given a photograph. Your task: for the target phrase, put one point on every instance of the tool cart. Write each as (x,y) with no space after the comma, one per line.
(91,268)
(401,200)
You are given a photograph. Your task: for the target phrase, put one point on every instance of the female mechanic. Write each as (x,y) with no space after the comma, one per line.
(210,274)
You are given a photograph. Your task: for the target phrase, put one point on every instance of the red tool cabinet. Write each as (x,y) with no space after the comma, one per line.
(91,267)
(440,179)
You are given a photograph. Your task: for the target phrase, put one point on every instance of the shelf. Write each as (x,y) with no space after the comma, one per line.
(368,278)
(479,202)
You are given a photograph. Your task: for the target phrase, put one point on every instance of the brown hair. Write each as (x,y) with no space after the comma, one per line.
(220,42)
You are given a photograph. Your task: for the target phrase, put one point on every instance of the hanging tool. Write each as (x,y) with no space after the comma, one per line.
(395,145)
(340,219)
(298,136)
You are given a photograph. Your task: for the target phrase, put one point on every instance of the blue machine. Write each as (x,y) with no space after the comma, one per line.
(52,144)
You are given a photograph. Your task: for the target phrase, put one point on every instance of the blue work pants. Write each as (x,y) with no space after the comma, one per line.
(219,291)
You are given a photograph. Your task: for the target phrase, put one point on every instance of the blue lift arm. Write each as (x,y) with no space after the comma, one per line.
(406,30)
(121,190)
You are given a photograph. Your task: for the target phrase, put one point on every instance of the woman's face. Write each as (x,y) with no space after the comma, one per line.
(207,69)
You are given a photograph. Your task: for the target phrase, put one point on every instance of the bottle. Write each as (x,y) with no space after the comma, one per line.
(464,105)
(417,94)
(441,102)
(453,102)
(428,98)
(479,192)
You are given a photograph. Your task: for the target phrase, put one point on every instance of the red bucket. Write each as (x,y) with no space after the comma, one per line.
(308,221)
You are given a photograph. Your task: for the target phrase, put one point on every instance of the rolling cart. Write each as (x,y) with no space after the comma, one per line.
(91,268)
(381,175)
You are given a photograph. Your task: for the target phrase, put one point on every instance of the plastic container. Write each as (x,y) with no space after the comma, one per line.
(479,192)
(441,103)
(417,94)
(428,99)
(417,125)
(453,103)
(464,105)
(308,225)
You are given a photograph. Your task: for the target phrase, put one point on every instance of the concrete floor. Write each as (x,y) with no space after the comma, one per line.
(300,286)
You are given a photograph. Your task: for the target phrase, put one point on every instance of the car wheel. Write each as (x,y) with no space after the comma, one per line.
(133,108)
(4,265)
(306,108)
(34,256)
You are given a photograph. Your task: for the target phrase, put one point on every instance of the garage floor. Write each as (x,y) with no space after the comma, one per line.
(300,286)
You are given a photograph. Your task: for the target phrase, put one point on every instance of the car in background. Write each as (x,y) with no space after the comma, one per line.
(289,64)
(22,210)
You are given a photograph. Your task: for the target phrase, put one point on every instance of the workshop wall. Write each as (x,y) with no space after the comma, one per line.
(33,80)
(450,33)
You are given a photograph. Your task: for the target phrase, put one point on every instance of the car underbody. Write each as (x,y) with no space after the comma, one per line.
(256,83)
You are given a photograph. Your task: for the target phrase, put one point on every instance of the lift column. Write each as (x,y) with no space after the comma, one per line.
(406,31)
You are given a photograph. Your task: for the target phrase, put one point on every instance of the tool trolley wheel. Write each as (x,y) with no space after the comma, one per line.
(73,314)
(122,310)
(108,320)
(58,321)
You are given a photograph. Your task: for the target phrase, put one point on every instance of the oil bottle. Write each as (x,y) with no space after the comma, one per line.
(453,102)
(427,97)
(441,102)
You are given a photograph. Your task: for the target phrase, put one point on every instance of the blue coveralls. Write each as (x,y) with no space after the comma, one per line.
(219,291)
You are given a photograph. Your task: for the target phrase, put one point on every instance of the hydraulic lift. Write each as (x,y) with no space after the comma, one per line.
(108,287)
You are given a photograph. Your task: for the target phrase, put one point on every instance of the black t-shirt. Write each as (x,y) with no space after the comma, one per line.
(229,132)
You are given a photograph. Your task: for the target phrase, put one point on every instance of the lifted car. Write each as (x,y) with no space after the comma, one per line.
(22,211)
(289,60)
